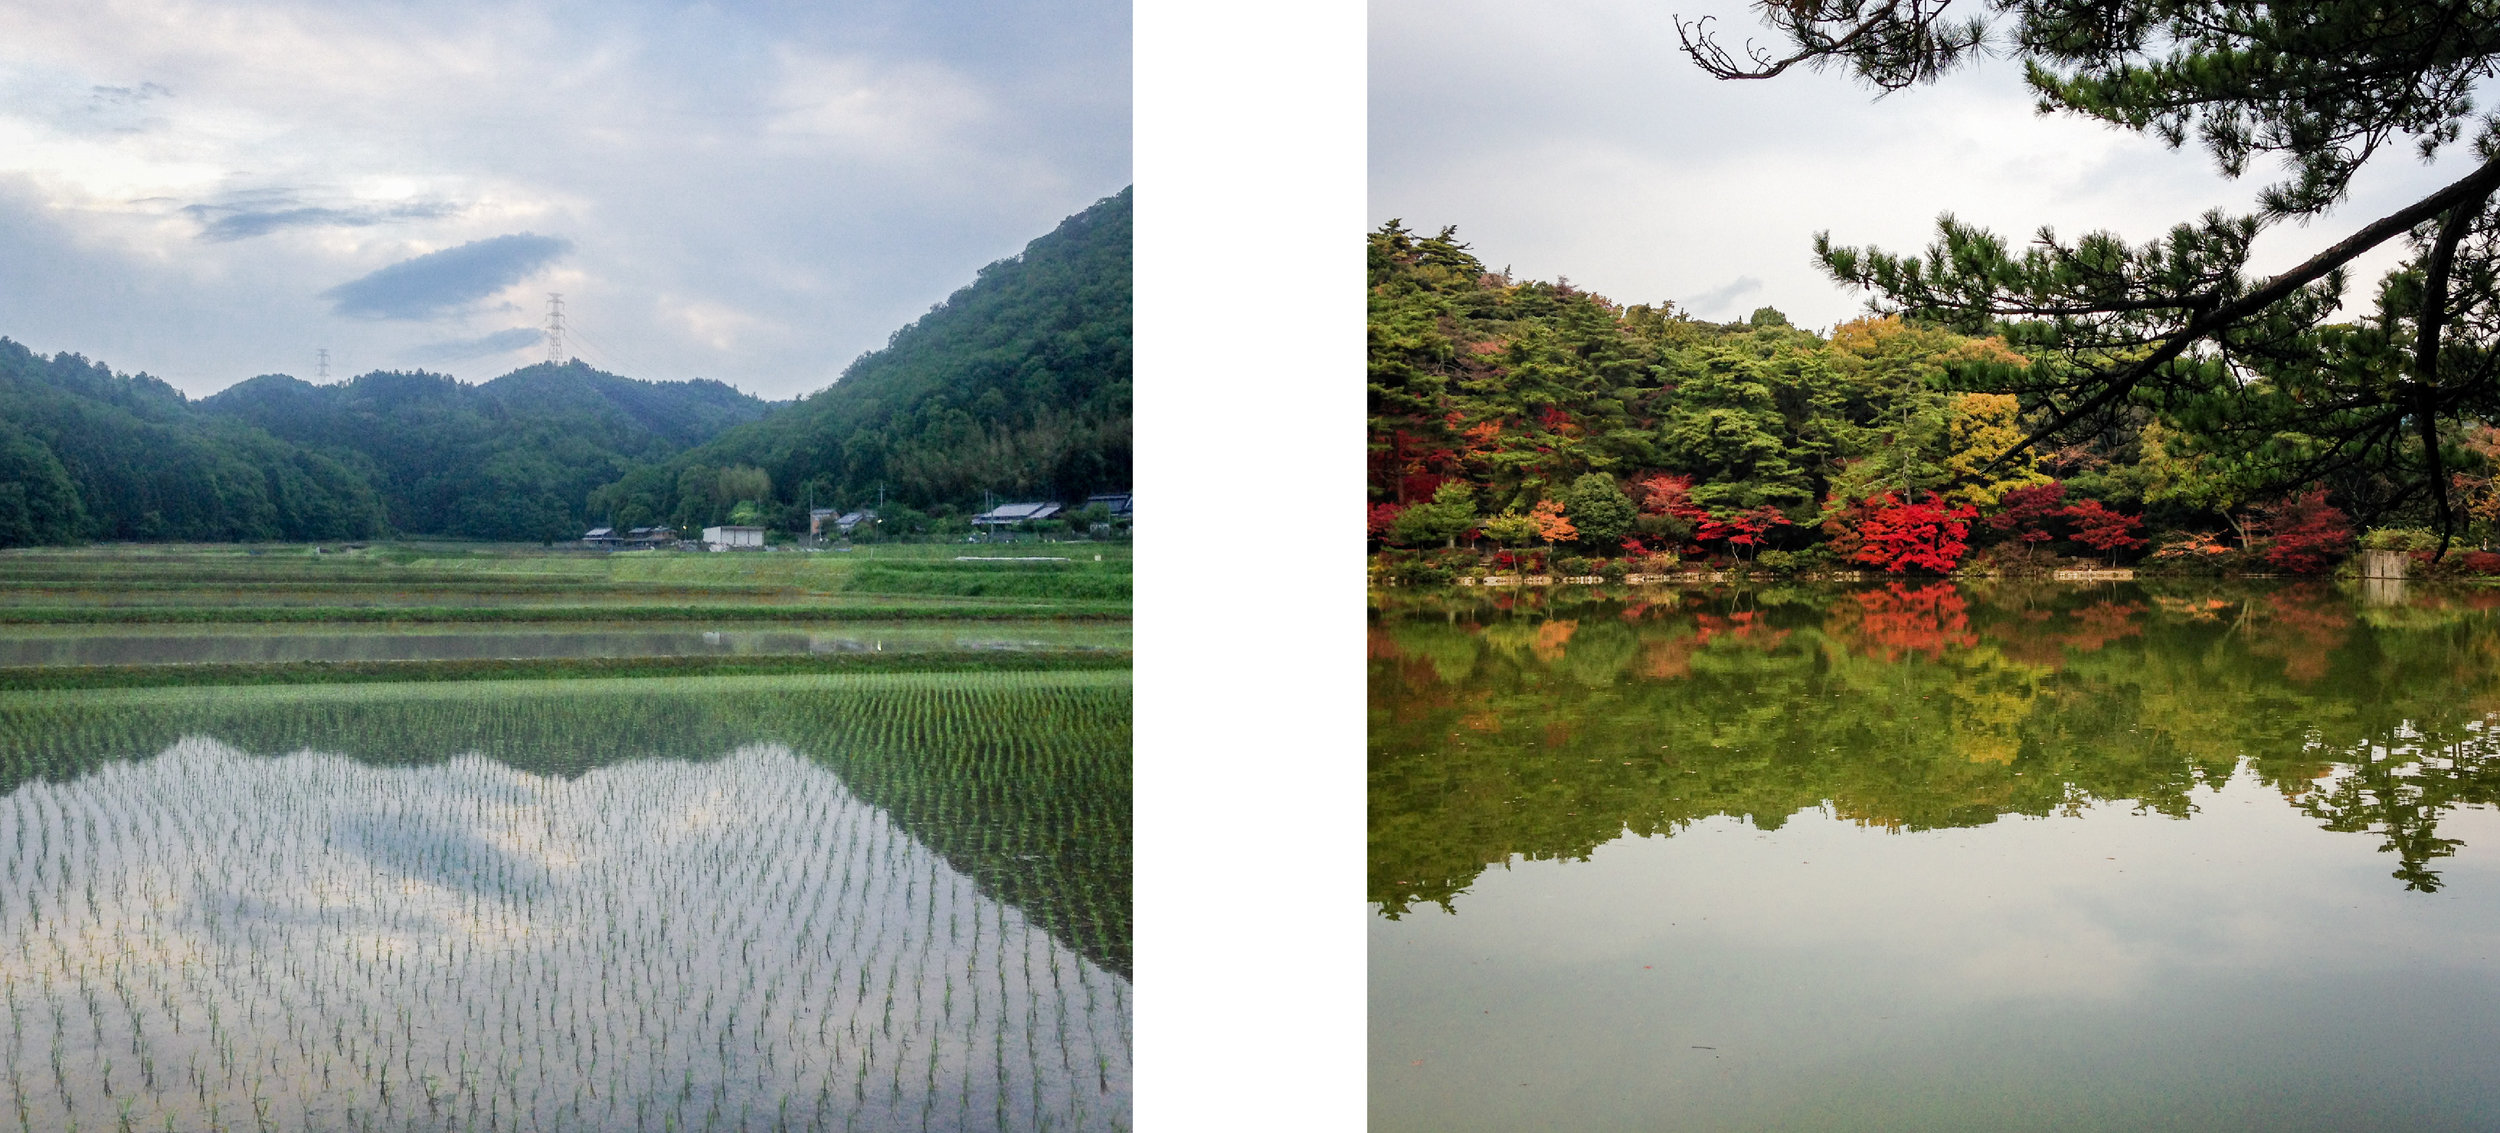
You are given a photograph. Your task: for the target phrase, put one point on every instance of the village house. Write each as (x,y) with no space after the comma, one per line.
(733,538)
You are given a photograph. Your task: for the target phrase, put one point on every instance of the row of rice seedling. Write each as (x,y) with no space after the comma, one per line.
(1021,780)
(1037,812)
(212,939)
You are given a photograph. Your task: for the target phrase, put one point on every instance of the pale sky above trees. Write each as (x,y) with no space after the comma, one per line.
(1576,139)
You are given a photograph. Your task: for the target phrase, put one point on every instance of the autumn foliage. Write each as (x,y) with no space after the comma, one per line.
(2194,544)
(1663,494)
(2025,513)
(1742,529)
(1897,535)
(1551,523)
(2103,530)
(2309,535)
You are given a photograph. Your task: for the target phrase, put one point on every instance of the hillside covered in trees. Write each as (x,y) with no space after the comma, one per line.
(1545,421)
(88,454)
(1018,384)
(512,458)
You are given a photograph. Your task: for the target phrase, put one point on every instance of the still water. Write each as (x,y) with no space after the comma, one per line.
(236,644)
(1936,857)
(815,903)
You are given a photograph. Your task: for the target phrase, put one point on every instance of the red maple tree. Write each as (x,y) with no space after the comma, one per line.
(1740,529)
(2026,513)
(1899,536)
(2309,535)
(2103,530)
(1664,494)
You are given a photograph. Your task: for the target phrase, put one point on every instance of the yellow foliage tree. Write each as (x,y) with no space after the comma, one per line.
(1980,428)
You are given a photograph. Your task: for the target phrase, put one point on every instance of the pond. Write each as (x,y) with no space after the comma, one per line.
(892,901)
(1935,856)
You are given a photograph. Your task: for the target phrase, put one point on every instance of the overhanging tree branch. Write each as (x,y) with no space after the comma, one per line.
(2472,188)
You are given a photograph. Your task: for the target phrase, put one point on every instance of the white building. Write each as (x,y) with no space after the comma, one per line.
(733,538)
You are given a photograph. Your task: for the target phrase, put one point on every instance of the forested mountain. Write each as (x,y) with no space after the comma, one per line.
(1017,384)
(87,454)
(512,458)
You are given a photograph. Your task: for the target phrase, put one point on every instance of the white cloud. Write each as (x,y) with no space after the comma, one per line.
(714,324)
(873,109)
(806,179)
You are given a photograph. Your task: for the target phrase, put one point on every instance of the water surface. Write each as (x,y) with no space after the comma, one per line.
(1923,856)
(236,644)
(885,902)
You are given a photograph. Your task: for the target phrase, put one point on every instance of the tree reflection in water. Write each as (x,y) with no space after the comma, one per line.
(1543,724)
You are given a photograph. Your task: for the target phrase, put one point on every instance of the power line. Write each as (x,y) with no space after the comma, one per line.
(614,361)
(602,356)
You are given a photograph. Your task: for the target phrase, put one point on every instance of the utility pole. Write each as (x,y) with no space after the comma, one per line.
(555,328)
(321,363)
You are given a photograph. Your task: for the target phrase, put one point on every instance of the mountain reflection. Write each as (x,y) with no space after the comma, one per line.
(1544,724)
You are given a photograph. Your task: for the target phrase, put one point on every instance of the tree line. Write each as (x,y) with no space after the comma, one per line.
(1546,421)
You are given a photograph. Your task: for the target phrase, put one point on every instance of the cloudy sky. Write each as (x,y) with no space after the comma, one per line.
(207,190)
(1574,138)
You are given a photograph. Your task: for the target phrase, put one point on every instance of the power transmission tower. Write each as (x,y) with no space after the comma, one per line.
(555,328)
(321,365)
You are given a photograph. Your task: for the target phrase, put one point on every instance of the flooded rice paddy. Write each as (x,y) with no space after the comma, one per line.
(823,902)
(1931,856)
(250,644)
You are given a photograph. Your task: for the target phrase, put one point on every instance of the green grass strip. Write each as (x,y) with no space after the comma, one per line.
(572,688)
(45,678)
(85,615)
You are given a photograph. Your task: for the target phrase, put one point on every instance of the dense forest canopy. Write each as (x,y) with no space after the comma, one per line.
(88,454)
(513,458)
(1532,415)
(1018,385)
(2177,326)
